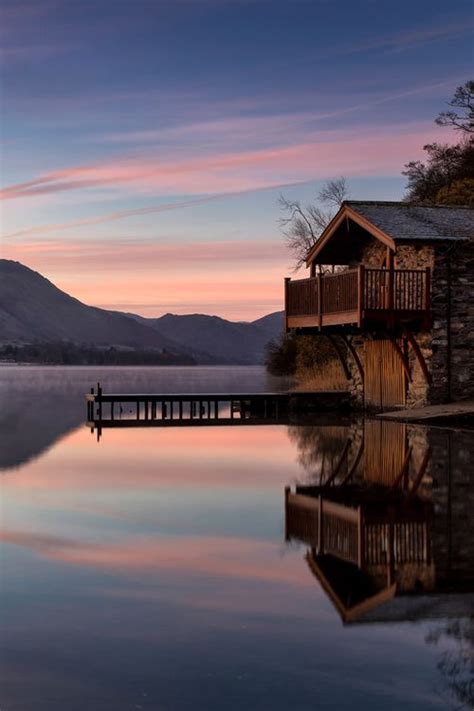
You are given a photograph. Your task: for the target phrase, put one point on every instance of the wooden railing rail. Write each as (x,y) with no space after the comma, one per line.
(357,291)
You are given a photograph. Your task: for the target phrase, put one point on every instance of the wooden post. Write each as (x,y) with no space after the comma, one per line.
(391,547)
(360,295)
(320,301)
(320,526)
(360,538)
(390,287)
(287,495)
(287,287)
(99,396)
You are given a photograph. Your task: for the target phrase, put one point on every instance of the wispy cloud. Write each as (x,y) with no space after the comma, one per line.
(133,253)
(222,175)
(397,41)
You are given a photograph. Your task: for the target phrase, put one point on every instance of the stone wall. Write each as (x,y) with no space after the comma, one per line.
(453,322)
(448,346)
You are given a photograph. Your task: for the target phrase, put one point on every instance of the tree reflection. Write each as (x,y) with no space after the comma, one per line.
(319,449)
(456,663)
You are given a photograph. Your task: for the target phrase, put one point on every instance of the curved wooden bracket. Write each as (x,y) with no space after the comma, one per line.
(353,353)
(340,355)
(354,463)
(402,358)
(336,471)
(419,355)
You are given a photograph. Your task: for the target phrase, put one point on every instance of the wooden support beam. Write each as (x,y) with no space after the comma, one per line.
(353,353)
(403,470)
(339,464)
(354,463)
(340,355)
(419,355)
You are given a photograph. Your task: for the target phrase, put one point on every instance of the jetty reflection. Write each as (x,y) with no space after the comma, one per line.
(390,530)
(126,410)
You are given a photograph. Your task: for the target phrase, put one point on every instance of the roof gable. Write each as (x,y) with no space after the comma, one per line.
(390,222)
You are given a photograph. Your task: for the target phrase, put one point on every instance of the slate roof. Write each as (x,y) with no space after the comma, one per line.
(402,221)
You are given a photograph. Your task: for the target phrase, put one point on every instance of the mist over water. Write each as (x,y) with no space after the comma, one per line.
(160,568)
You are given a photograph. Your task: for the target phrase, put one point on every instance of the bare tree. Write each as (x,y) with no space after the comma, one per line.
(302,226)
(463,100)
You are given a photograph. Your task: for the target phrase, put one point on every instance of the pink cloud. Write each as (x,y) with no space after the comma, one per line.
(320,156)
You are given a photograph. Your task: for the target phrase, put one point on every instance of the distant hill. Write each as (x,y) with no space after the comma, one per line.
(33,309)
(226,341)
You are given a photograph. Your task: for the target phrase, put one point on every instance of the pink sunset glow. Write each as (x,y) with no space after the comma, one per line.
(326,154)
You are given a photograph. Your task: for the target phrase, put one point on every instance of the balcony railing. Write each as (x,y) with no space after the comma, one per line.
(355,295)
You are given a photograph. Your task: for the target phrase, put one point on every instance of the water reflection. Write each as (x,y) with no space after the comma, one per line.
(386,512)
(41,405)
(151,570)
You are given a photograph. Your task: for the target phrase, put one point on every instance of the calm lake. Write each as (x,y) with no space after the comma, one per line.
(166,568)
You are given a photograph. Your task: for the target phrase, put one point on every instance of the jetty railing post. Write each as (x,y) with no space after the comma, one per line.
(90,407)
(99,396)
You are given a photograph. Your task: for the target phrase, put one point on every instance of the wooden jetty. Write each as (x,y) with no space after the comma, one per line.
(200,409)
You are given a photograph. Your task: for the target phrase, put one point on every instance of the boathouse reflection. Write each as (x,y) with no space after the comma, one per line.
(392,521)
(389,530)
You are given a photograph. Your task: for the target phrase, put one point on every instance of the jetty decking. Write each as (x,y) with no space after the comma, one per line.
(200,409)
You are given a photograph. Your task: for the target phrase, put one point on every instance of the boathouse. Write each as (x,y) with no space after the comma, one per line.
(391,285)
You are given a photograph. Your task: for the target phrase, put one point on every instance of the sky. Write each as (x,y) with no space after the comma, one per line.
(145,143)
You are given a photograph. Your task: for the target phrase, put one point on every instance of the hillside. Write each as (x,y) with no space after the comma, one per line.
(33,309)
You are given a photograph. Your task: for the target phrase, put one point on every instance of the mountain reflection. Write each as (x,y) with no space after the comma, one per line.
(386,512)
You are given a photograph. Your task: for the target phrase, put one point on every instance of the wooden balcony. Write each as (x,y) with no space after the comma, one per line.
(358,298)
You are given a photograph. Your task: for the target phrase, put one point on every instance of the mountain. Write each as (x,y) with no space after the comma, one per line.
(226,341)
(33,309)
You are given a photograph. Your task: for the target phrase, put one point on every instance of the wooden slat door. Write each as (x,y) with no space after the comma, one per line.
(385,448)
(385,379)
